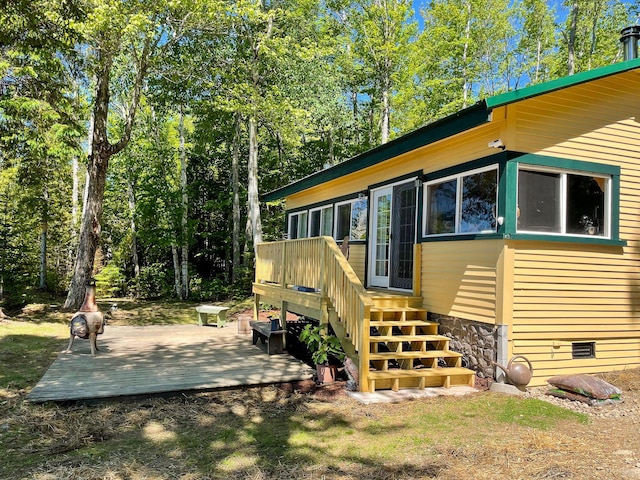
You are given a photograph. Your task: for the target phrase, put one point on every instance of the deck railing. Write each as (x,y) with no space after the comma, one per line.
(318,263)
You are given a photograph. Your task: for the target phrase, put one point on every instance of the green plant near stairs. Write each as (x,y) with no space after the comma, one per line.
(321,345)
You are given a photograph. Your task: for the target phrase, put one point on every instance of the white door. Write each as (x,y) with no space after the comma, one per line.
(393,227)
(380,237)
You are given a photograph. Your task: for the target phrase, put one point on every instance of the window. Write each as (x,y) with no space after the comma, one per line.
(298,225)
(351,219)
(462,204)
(562,202)
(321,221)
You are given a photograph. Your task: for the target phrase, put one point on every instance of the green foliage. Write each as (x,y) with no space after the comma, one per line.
(155,281)
(213,289)
(321,345)
(110,282)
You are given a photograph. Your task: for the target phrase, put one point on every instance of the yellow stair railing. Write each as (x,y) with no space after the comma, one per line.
(319,264)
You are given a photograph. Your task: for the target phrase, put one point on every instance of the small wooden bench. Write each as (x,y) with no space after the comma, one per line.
(273,338)
(220,314)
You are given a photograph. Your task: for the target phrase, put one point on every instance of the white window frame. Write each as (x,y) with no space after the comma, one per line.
(305,223)
(563,172)
(336,218)
(322,210)
(458,214)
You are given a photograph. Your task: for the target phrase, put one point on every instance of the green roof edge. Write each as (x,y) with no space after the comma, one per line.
(440,129)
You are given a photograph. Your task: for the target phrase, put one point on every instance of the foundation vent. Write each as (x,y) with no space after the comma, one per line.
(583,349)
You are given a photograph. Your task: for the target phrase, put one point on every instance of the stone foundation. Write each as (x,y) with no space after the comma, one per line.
(475,340)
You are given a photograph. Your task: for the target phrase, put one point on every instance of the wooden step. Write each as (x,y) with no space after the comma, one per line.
(407,338)
(398,313)
(407,327)
(414,354)
(402,323)
(420,378)
(381,300)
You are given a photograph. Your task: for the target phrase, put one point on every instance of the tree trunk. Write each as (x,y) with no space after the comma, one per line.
(43,239)
(571,44)
(247,237)
(101,152)
(253,197)
(185,206)
(90,228)
(538,60)
(385,113)
(235,185)
(176,270)
(465,53)
(134,235)
(75,202)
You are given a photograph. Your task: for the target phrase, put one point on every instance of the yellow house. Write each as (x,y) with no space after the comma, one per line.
(509,228)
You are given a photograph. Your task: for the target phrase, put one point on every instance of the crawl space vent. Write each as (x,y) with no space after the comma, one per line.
(583,349)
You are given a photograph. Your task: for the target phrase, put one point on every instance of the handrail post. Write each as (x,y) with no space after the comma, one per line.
(417,269)
(363,348)
(323,270)
(283,265)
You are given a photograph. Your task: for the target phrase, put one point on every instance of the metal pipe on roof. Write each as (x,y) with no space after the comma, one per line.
(629,38)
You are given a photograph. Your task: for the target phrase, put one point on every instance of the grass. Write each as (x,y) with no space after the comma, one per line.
(272,433)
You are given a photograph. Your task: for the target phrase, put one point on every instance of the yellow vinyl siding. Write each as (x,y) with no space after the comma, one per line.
(564,293)
(592,122)
(459,278)
(567,293)
(551,358)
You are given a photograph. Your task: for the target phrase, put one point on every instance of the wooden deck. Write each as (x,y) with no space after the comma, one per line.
(159,359)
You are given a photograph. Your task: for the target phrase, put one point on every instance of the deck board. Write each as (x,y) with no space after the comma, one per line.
(159,359)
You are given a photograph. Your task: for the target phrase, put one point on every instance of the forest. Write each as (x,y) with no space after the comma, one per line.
(137,136)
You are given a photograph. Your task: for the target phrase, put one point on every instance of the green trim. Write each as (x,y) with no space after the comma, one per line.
(567,164)
(511,199)
(527,237)
(459,122)
(461,237)
(567,239)
(579,166)
(560,83)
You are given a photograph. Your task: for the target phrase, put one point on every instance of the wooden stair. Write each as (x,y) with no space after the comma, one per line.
(405,350)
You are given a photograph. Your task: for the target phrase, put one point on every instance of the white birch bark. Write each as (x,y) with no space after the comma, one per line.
(235,165)
(185,206)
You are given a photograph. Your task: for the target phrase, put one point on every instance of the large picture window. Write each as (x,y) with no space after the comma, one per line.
(463,204)
(351,219)
(563,202)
